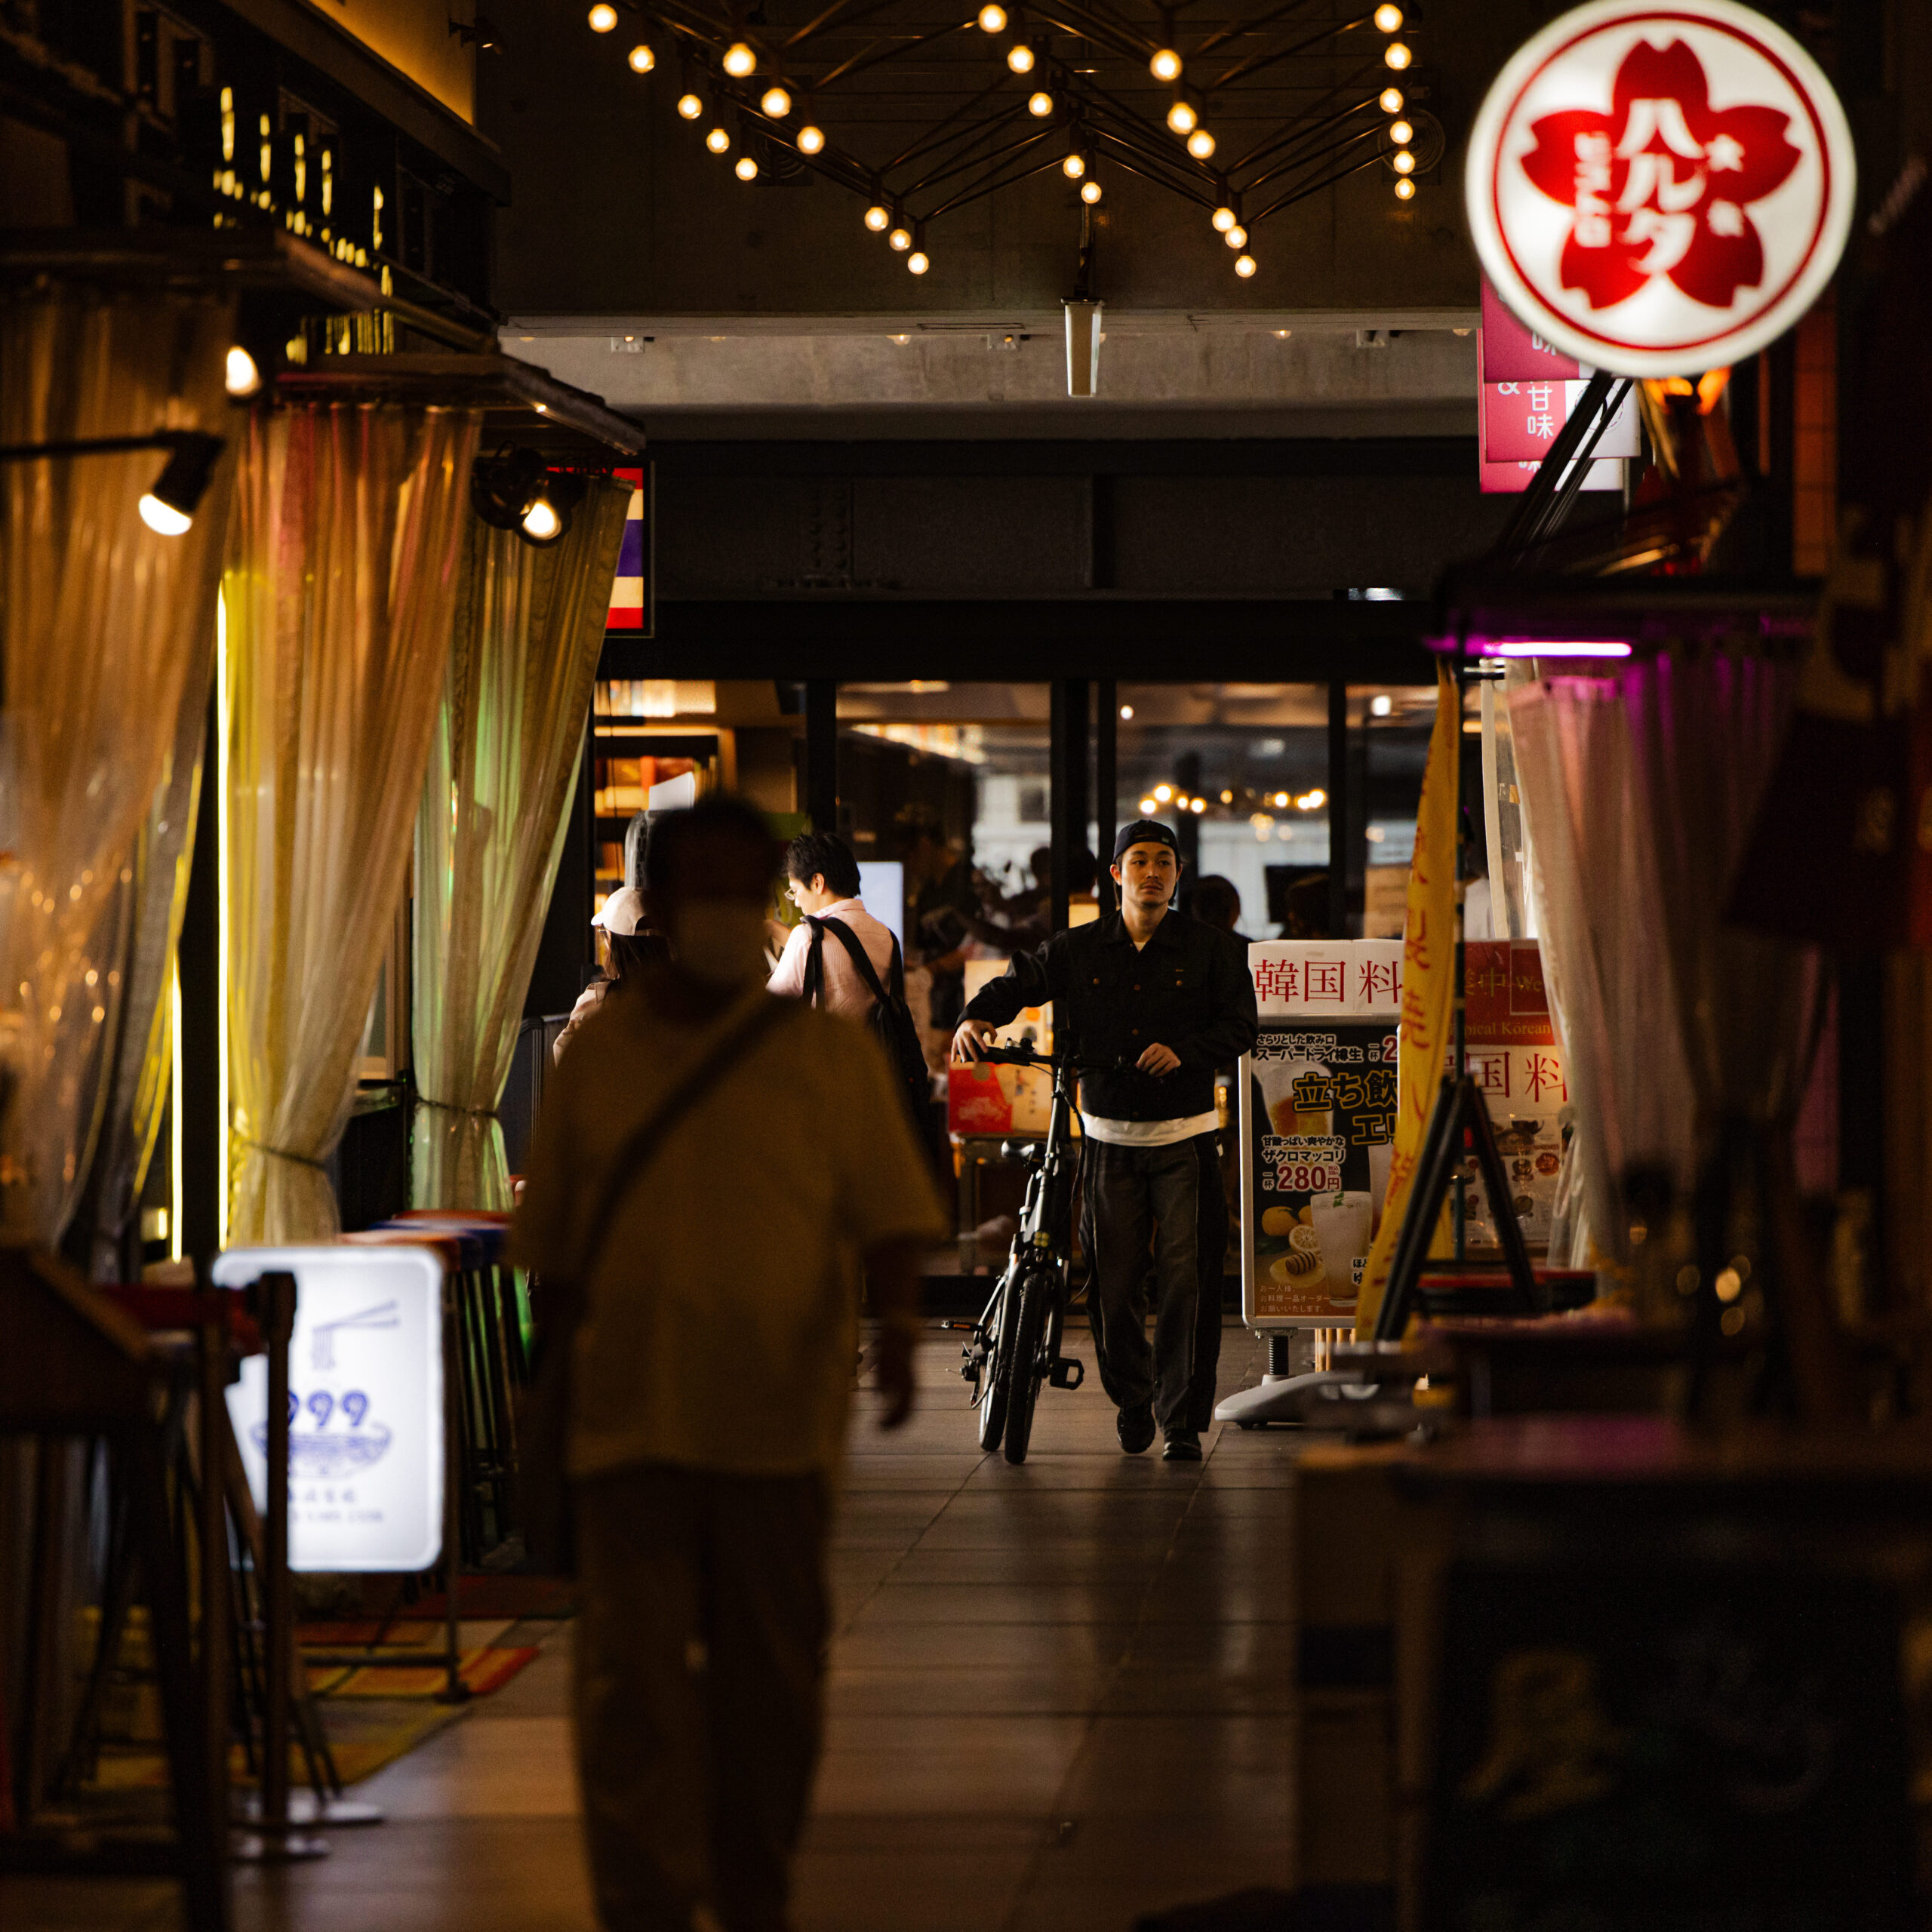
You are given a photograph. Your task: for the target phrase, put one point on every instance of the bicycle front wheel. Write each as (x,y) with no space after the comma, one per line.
(1036,1297)
(993,1400)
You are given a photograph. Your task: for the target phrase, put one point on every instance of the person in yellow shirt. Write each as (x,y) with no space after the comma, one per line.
(711,1377)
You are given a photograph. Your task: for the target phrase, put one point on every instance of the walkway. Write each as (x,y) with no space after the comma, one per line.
(1058,1700)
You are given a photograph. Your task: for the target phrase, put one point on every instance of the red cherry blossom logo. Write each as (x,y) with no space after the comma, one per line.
(1661,184)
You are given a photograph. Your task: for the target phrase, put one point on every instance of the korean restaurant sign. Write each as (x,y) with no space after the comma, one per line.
(1656,190)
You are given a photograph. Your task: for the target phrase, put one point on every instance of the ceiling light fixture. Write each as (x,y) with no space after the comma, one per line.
(1403,162)
(1400,132)
(690,105)
(1020,57)
(1396,55)
(1388,16)
(917,262)
(641,59)
(811,140)
(242,378)
(1040,105)
(603,18)
(745,168)
(718,140)
(877,216)
(1235,237)
(739,60)
(1405,190)
(1201,144)
(515,491)
(1225,218)
(1089,192)
(901,238)
(993,18)
(1165,65)
(1074,166)
(776,104)
(1182,117)
(169,509)
(1244,266)
(1392,100)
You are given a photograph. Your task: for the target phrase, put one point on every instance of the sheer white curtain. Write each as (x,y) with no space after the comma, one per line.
(341,587)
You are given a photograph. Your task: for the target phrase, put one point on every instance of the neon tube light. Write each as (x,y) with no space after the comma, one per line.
(1577,648)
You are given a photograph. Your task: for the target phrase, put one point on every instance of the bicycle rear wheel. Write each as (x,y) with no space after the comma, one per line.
(1035,1295)
(993,1402)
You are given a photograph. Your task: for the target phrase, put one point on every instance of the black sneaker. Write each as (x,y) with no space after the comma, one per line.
(1135,1427)
(1183,1445)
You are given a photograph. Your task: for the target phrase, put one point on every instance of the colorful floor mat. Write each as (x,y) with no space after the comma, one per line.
(482,1671)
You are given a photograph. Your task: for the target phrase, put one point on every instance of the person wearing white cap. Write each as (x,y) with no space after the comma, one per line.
(629,942)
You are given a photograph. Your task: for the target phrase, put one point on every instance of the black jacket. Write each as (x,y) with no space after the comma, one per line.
(1188,989)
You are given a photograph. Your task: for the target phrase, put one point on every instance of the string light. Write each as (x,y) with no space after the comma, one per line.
(718,140)
(1404,162)
(641,59)
(993,18)
(1402,134)
(811,140)
(1224,220)
(746,169)
(1147,808)
(603,18)
(877,216)
(1396,55)
(1074,166)
(1040,105)
(1244,266)
(900,238)
(917,262)
(690,105)
(1090,192)
(1020,57)
(1388,16)
(1235,237)
(776,104)
(1182,117)
(1201,144)
(1405,190)
(1392,100)
(1163,792)
(739,60)
(1165,65)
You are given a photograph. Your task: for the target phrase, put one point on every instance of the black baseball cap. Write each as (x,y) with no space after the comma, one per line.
(1145,831)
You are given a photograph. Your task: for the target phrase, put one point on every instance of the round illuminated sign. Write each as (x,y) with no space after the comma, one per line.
(1658,190)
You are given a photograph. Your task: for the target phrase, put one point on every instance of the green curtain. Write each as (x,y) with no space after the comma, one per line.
(503,766)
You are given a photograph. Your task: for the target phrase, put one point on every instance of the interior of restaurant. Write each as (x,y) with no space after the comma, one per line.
(441,449)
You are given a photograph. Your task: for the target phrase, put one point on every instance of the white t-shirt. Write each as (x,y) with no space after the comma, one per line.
(1148,1133)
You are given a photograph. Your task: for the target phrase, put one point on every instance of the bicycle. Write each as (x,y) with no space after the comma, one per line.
(1014,1346)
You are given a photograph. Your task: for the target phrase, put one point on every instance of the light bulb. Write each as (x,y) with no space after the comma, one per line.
(1236,237)
(718,140)
(1400,132)
(1201,144)
(1020,57)
(163,519)
(745,169)
(1244,266)
(1090,192)
(992,19)
(1317,798)
(243,378)
(916,262)
(1165,65)
(1405,190)
(1224,220)
(739,61)
(1381,705)
(810,139)
(776,104)
(690,106)
(603,18)
(1040,105)
(1388,17)
(877,216)
(1404,162)
(1147,805)
(641,59)
(1392,100)
(1163,792)
(901,238)
(1181,118)
(541,520)
(1074,166)
(1397,55)
(1196,804)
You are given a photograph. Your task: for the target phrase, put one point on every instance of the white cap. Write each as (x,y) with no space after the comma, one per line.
(623,912)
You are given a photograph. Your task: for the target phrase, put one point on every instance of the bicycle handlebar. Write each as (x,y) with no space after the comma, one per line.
(1026,1056)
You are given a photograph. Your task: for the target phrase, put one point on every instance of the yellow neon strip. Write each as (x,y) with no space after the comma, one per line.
(221,916)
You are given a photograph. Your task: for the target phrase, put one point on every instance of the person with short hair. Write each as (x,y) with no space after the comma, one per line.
(824,884)
(1216,901)
(629,942)
(710,1379)
(1167,999)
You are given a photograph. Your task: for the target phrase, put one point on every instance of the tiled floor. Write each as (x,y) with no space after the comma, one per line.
(1058,1699)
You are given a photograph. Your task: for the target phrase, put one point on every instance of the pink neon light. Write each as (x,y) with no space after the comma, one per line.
(1584,647)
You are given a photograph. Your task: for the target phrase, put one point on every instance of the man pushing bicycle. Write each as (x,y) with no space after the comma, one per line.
(1165,1000)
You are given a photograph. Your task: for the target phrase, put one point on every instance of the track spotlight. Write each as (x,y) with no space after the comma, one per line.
(169,509)
(739,61)
(243,377)
(514,490)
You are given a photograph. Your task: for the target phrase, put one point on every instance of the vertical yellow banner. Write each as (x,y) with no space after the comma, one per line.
(1428,971)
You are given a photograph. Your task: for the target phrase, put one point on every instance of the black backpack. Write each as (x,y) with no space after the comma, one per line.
(890,1021)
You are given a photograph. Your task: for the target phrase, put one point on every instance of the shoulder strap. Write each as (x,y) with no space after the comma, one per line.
(862,960)
(637,1153)
(813,987)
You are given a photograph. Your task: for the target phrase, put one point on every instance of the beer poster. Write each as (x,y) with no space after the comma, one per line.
(1318,1119)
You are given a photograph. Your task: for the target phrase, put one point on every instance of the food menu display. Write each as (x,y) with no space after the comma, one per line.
(1317,1122)
(1510,1048)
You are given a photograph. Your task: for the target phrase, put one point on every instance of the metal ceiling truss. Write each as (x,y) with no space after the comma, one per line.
(1244,116)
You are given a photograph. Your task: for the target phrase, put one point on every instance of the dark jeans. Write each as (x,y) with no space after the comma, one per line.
(699,1640)
(1170,1198)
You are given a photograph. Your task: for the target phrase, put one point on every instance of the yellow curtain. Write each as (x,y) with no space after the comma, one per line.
(1428,987)
(503,765)
(341,587)
(102,621)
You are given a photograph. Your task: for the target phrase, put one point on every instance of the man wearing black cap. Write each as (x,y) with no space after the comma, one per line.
(1167,999)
